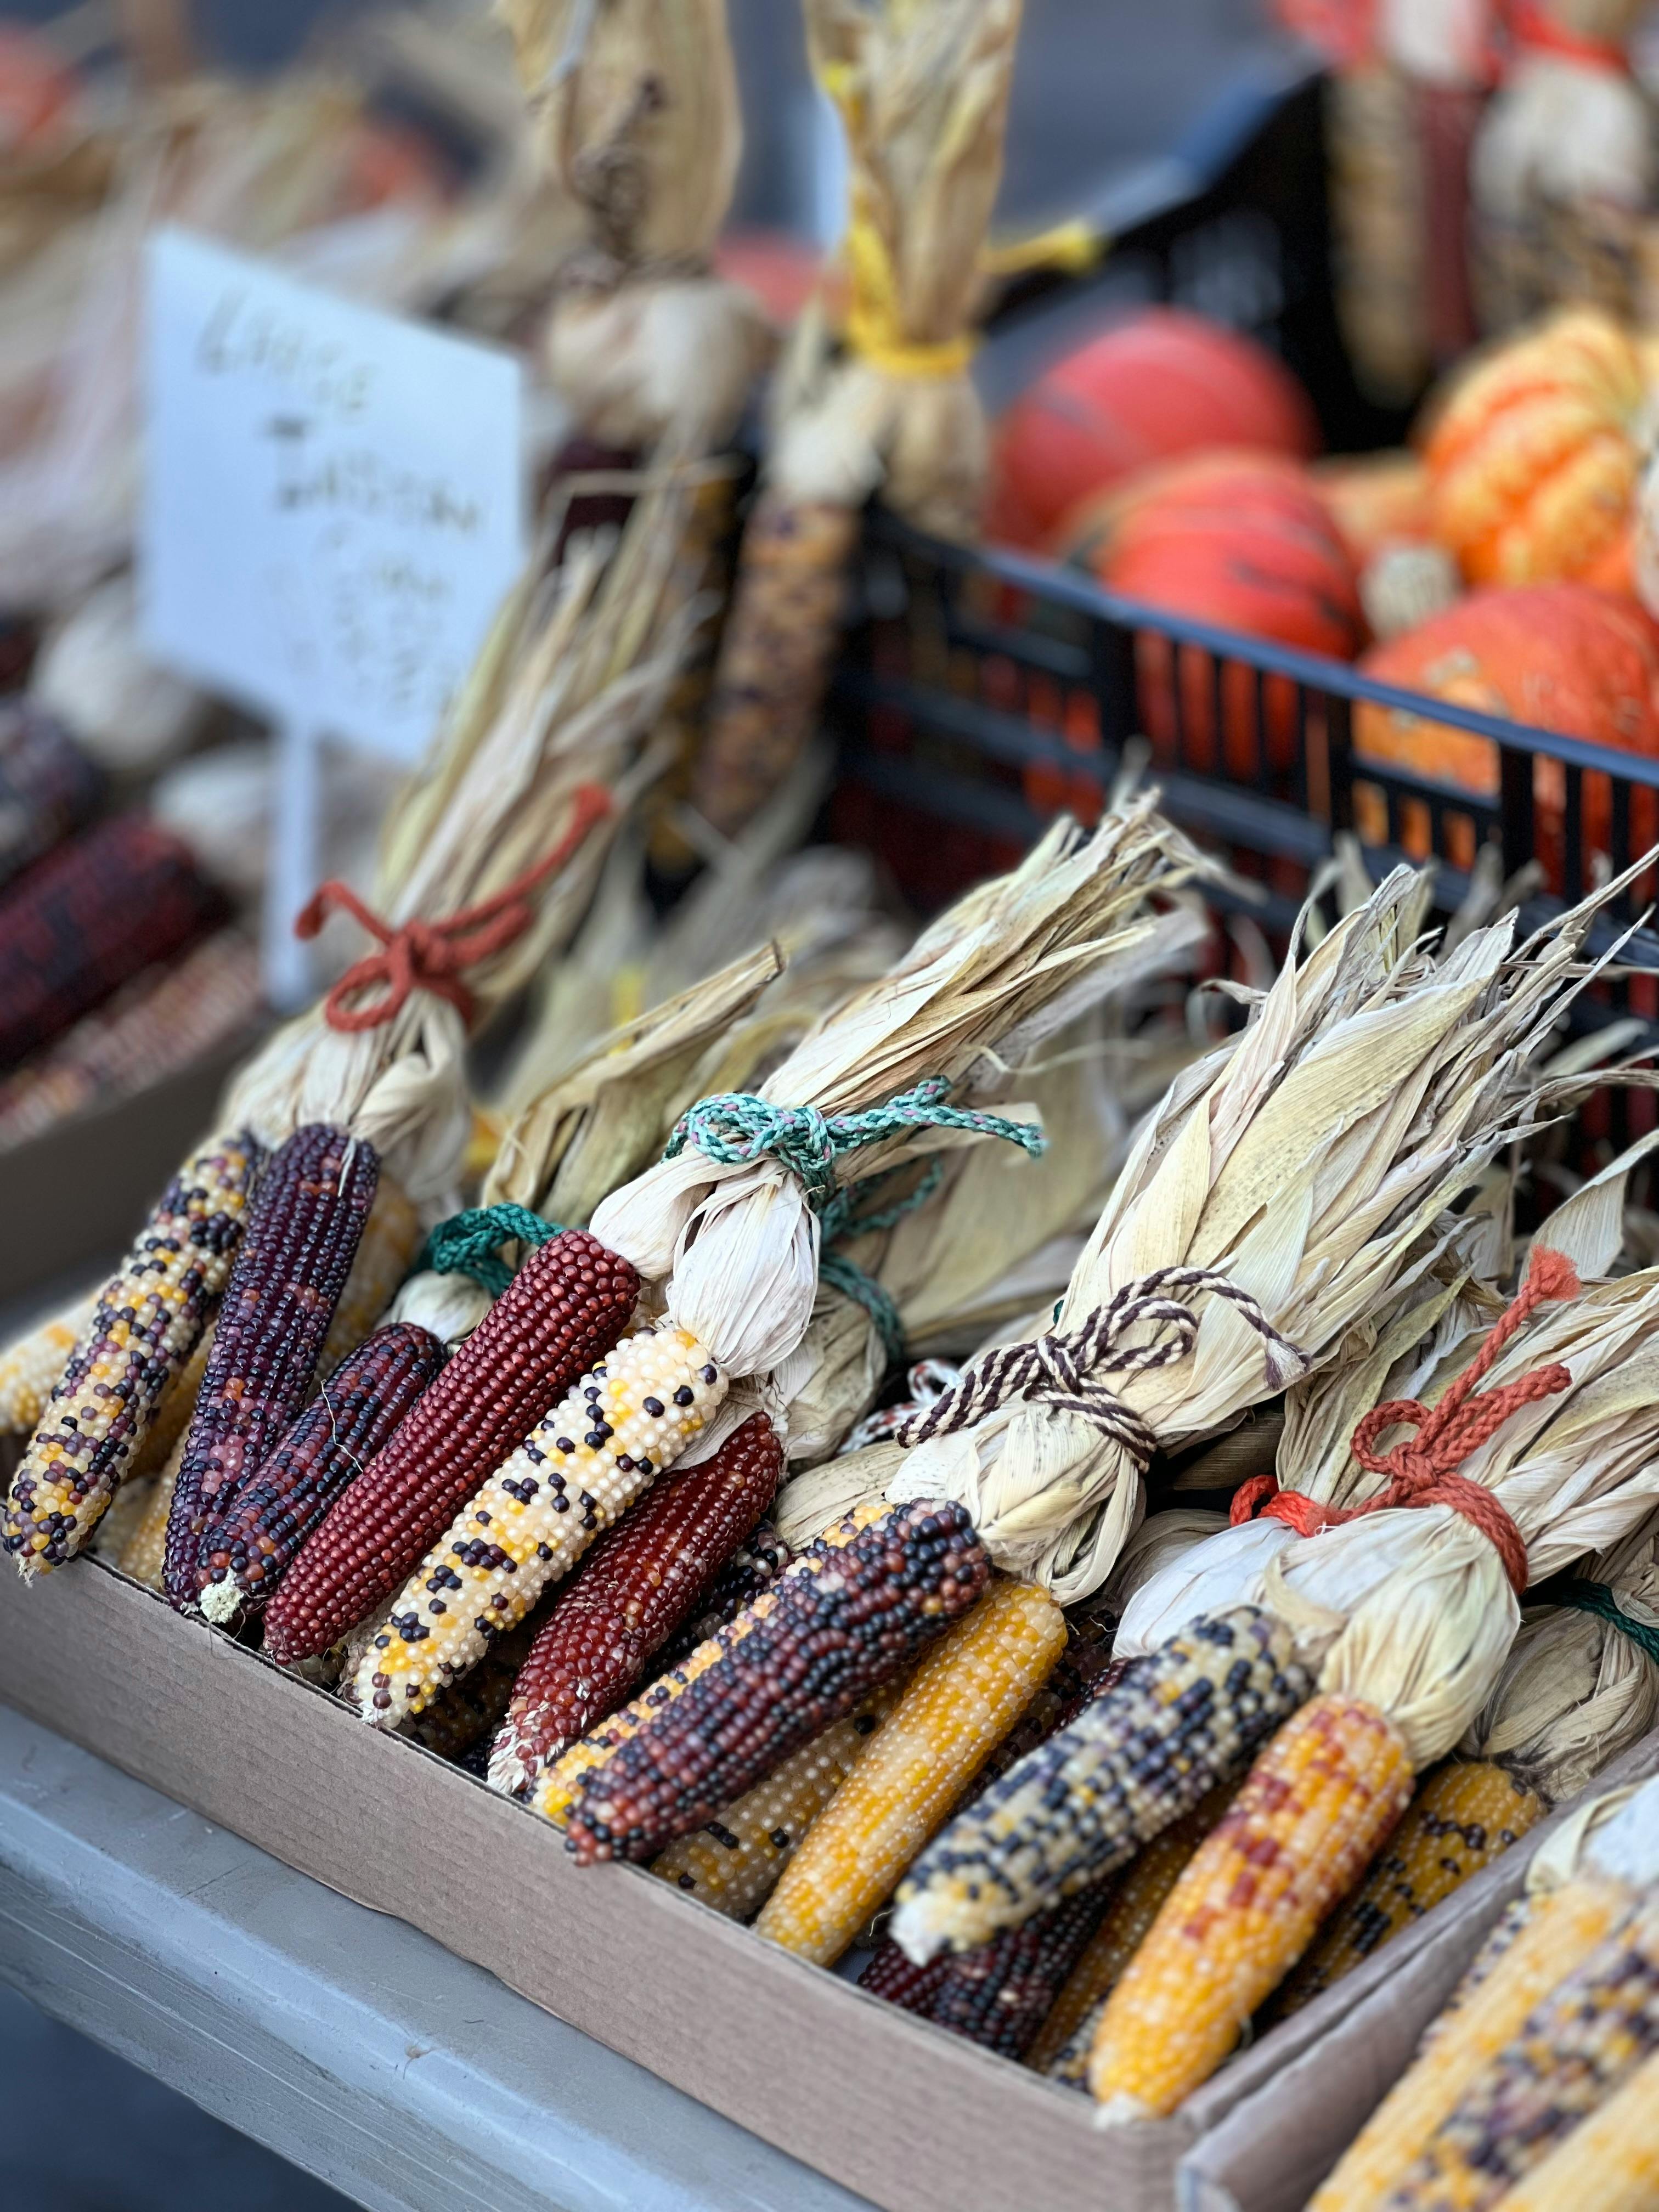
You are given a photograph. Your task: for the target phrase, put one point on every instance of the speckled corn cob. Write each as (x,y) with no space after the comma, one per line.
(1312,1811)
(1465,1815)
(556,1794)
(966,1697)
(459,1723)
(1562,1931)
(1133,1900)
(1500,1937)
(252,1540)
(638,1585)
(753,1567)
(565,1307)
(384,1253)
(285,1285)
(998,1997)
(850,1622)
(1610,2164)
(733,1862)
(578,1471)
(1575,2051)
(143,1331)
(899,1981)
(1179,1720)
(31,1366)
(172,1416)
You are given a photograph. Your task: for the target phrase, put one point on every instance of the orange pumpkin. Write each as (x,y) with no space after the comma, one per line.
(1242,541)
(1376,500)
(1161,384)
(1531,460)
(1560,656)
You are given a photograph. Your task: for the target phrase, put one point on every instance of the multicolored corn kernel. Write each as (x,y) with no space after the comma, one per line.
(566,1308)
(144,1328)
(1611,2162)
(285,1285)
(962,1701)
(638,1585)
(732,1864)
(255,1537)
(1312,1811)
(120,897)
(1175,1723)
(387,1245)
(1465,1815)
(851,1620)
(1561,1932)
(899,1981)
(998,1997)
(460,1721)
(49,785)
(753,1567)
(1576,2049)
(31,1366)
(578,1471)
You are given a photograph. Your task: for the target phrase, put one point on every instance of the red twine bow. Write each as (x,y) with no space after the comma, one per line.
(1423,1470)
(433,956)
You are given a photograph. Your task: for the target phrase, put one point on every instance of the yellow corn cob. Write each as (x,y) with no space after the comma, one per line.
(1310,1812)
(735,1863)
(29,1367)
(146,1554)
(384,1252)
(1609,2164)
(1066,2037)
(964,1698)
(1464,1815)
(1562,1931)
(123,1518)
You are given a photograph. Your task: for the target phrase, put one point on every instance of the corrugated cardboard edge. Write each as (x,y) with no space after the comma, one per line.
(908,2117)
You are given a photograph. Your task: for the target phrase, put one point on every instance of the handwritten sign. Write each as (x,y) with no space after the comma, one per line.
(332,511)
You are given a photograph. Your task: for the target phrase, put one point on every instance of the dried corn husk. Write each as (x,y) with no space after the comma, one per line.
(922,91)
(1308,1161)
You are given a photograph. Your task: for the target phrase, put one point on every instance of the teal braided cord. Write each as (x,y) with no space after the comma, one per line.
(1597,1598)
(839,1223)
(846,1276)
(468,1244)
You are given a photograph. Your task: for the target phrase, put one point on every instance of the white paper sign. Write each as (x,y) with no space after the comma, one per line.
(332,512)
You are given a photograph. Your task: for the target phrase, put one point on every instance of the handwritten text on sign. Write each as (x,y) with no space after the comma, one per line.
(333,507)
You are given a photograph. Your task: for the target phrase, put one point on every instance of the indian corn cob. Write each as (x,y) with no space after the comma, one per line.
(733,1862)
(964,1699)
(144,1330)
(1294,1839)
(172,1415)
(252,1539)
(1578,2048)
(30,1366)
(1465,1813)
(999,1996)
(578,1472)
(565,1307)
(899,1981)
(754,1566)
(384,1253)
(1179,1720)
(48,786)
(852,1620)
(94,914)
(285,1285)
(1610,2161)
(460,1721)
(640,1582)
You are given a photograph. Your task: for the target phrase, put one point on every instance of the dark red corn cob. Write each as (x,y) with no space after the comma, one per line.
(48,787)
(313,1201)
(563,1310)
(638,1583)
(1000,1996)
(844,1624)
(87,919)
(754,1566)
(260,1526)
(899,1981)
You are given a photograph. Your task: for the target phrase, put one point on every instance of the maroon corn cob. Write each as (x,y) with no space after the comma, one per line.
(1000,1996)
(49,787)
(561,1314)
(87,919)
(754,1566)
(858,1615)
(313,1201)
(638,1583)
(899,1981)
(261,1524)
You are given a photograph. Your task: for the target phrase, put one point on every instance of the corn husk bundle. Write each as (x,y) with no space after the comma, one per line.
(1306,1163)
(922,88)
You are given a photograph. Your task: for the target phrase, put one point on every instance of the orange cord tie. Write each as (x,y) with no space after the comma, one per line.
(1424,1469)
(433,956)
(1533,32)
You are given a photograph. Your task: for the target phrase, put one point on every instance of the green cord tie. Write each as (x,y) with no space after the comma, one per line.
(1597,1598)
(469,1243)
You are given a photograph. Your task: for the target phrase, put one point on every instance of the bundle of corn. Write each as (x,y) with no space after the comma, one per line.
(729,1223)
(923,95)
(1587,1958)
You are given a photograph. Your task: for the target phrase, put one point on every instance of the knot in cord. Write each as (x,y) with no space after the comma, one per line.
(1423,1470)
(435,955)
(1064,1370)
(469,1243)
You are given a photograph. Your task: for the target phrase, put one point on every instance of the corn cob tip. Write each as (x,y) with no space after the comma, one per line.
(220,1603)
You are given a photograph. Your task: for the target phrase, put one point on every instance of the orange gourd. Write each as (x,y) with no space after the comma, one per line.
(1161,384)
(1531,458)
(1242,541)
